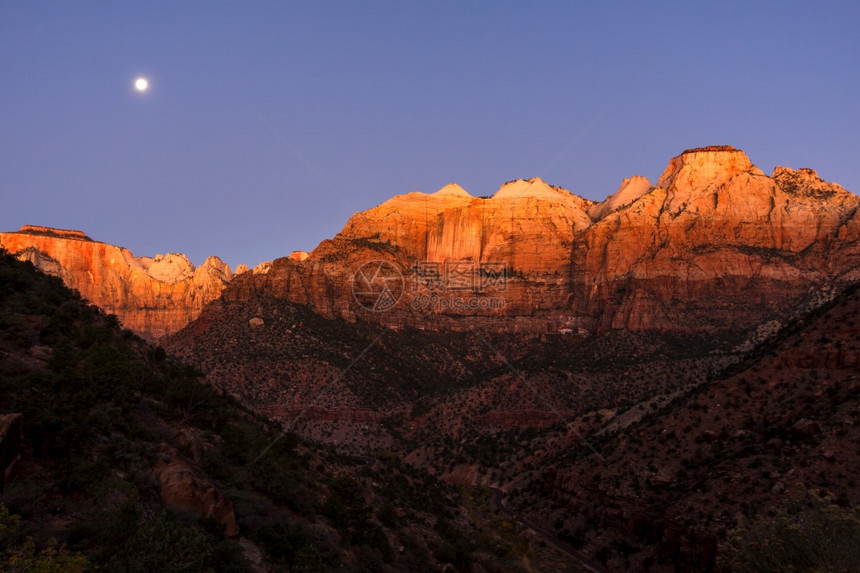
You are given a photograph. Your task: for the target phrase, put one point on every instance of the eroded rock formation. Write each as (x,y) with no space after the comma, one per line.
(151,296)
(715,245)
(185,487)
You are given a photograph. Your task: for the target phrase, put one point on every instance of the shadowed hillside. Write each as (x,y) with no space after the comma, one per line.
(731,453)
(117,457)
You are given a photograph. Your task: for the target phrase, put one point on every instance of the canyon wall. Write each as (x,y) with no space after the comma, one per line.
(716,242)
(151,296)
(715,245)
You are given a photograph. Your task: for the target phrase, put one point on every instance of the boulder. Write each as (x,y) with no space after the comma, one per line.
(184,486)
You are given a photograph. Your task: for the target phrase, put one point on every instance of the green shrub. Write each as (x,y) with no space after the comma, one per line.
(20,554)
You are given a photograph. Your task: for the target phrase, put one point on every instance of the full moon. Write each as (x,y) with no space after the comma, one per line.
(141,84)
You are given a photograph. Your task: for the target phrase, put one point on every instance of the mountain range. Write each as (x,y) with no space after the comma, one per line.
(640,376)
(714,245)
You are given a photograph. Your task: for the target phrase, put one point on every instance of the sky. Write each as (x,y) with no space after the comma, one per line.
(268,124)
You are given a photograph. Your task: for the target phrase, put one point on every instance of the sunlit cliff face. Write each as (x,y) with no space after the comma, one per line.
(151,296)
(716,244)
(527,225)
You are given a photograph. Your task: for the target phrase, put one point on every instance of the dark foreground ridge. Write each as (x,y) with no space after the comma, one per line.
(113,448)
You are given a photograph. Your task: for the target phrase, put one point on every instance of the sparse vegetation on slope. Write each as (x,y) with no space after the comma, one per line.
(665,491)
(105,416)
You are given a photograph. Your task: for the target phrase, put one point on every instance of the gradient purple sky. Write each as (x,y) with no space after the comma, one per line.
(383,98)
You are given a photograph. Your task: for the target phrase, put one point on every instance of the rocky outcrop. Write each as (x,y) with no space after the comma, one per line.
(715,245)
(151,296)
(631,189)
(51,232)
(503,259)
(185,487)
(527,225)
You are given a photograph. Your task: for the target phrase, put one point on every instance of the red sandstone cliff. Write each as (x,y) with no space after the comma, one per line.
(151,296)
(524,233)
(716,242)
(528,225)
(714,245)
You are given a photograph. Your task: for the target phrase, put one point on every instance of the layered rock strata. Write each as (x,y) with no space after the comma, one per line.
(714,245)
(151,296)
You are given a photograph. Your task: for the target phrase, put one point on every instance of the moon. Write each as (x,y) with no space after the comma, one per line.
(141,84)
